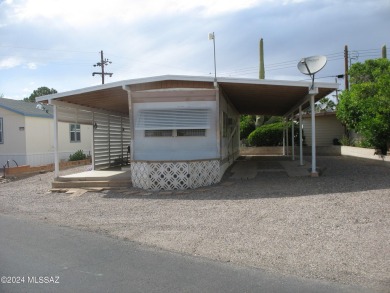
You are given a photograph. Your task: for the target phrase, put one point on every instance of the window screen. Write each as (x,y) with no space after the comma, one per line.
(191,132)
(162,119)
(158,133)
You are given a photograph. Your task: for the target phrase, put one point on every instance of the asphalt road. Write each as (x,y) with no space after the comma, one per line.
(40,257)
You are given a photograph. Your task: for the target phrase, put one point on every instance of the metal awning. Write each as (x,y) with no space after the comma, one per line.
(249,96)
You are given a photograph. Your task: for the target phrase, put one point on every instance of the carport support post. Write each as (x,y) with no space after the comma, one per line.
(284,141)
(292,138)
(314,172)
(56,161)
(286,128)
(300,137)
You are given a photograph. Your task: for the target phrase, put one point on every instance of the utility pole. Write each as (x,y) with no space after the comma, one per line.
(346,67)
(102,63)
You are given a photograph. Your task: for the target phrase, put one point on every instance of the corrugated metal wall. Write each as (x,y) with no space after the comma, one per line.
(111,138)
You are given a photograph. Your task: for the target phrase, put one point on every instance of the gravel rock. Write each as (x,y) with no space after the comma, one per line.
(334,227)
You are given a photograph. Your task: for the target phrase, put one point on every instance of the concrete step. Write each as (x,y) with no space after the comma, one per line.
(93,183)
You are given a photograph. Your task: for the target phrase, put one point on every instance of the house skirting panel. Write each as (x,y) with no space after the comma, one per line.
(175,175)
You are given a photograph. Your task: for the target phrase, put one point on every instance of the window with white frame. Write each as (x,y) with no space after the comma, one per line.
(75,134)
(1,131)
(175,132)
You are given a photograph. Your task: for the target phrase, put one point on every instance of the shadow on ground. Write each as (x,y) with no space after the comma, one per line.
(338,175)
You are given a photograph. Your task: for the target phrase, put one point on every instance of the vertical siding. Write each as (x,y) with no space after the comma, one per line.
(327,129)
(14,138)
(111,138)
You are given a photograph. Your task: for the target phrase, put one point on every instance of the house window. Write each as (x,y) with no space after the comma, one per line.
(175,132)
(158,133)
(1,131)
(191,132)
(75,135)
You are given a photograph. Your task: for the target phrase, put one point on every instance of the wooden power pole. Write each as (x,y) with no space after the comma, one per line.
(346,67)
(103,62)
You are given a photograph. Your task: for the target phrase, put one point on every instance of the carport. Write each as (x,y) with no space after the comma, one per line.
(109,109)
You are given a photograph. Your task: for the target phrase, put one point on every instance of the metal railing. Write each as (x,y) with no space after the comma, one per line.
(8,166)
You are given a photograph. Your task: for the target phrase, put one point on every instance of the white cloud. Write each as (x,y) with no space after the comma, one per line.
(32,65)
(85,13)
(10,62)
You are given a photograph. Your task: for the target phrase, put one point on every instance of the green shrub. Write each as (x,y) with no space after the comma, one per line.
(77,156)
(271,134)
(267,135)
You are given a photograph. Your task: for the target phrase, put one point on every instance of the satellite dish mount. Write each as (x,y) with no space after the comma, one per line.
(311,65)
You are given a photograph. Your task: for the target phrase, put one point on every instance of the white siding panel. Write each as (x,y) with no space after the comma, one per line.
(158,119)
(327,129)
(177,148)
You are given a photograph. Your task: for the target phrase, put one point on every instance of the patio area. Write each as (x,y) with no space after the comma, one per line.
(244,168)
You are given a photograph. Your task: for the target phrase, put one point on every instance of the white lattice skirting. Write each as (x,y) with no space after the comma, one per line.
(175,175)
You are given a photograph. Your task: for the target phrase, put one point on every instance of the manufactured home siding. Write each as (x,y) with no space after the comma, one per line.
(229,130)
(14,140)
(29,140)
(66,146)
(175,148)
(39,135)
(327,129)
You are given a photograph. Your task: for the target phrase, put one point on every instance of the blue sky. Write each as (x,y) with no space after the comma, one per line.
(55,43)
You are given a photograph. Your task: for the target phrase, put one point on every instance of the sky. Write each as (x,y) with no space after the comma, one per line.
(56,43)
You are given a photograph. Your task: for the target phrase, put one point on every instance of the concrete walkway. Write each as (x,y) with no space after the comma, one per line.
(249,166)
(98,175)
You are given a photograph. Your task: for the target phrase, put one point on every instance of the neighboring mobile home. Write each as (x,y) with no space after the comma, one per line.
(26,134)
(182,131)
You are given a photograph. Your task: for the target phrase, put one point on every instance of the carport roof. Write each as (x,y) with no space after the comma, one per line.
(249,96)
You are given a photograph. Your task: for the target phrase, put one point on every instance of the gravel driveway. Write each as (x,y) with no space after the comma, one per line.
(334,227)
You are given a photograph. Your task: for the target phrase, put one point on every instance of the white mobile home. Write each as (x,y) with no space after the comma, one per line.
(26,134)
(183,132)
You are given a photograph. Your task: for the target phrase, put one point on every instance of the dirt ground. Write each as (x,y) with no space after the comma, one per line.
(334,227)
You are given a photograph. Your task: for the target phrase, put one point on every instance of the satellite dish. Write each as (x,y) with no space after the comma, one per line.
(311,65)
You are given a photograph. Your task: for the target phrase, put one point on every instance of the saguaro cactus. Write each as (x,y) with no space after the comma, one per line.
(261,70)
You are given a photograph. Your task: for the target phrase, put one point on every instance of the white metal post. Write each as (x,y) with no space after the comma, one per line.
(314,172)
(286,129)
(93,141)
(56,161)
(300,137)
(292,138)
(284,141)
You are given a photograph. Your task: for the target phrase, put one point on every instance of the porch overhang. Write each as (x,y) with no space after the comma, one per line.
(249,96)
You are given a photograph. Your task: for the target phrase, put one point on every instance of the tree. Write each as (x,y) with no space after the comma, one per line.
(247,125)
(325,104)
(365,107)
(42,91)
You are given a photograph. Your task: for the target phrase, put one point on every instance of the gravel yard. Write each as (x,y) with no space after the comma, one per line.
(334,227)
